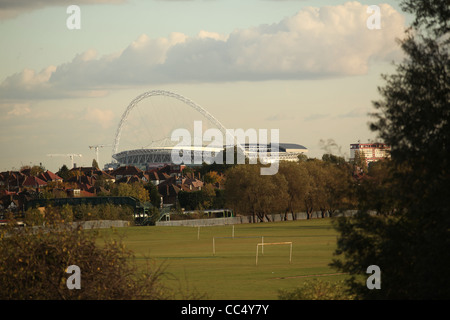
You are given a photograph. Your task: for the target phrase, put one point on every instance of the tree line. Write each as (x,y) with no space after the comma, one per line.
(309,185)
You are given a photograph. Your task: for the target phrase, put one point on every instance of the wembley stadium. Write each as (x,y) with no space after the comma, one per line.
(155,157)
(172,112)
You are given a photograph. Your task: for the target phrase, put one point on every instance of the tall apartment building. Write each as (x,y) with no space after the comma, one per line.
(371,151)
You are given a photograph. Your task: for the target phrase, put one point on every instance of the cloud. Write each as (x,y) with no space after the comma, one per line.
(330,41)
(102,117)
(355,113)
(13,8)
(9,110)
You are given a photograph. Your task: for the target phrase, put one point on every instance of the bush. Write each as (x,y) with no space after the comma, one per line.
(34,260)
(317,290)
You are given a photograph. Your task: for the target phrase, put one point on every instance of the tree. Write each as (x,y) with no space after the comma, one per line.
(34,262)
(36,170)
(298,182)
(193,200)
(95,164)
(317,290)
(331,158)
(250,193)
(63,172)
(154,195)
(213,177)
(359,162)
(136,190)
(411,247)
(337,187)
(375,191)
(315,196)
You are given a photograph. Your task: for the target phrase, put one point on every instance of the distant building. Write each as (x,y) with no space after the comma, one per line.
(146,159)
(371,151)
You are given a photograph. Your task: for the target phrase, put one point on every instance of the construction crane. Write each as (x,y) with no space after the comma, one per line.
(70,155)
(96,147)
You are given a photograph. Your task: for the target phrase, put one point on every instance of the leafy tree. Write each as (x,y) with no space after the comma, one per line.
(375,191)
(331,158)
(317,290)
(192,200)
(213,177)
(359,162)
(136,190)
(298,182)
(411,247)
(219,201)
(95,164)
(198,200)
(302,157)
(250,193)
(336,187)
(154,195)
(315,197)
(33,264)
(36,170)
(64,172)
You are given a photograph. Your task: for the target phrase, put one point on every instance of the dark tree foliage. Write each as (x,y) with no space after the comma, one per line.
(434,15)
(63,172)
(411,246)
(33,264)
(155,196)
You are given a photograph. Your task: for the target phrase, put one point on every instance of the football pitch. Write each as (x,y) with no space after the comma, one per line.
(226,262)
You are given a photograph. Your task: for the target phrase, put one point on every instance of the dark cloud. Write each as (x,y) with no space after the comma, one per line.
(13,8)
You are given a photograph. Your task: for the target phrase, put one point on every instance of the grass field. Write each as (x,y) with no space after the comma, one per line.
(232,272)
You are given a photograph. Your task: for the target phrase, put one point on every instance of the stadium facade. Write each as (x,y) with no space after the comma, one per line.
(156,157)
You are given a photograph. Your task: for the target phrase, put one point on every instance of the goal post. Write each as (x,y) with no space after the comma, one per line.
(271,244)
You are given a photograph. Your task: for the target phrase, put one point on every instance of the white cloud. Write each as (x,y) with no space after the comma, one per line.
(314,43)
(16,109)
(102,117)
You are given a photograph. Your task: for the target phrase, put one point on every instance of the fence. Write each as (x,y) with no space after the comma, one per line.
(244,219)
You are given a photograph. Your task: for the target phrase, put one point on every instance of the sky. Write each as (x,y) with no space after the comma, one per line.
(310,69)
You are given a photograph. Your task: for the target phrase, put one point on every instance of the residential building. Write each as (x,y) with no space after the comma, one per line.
(370,151)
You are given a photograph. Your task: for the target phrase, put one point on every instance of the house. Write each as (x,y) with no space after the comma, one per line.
(170,187)
(83,179)
(192,183)
(33,182)
(12,179)
(172,170)
(10,201)
(105,176)
(49,176)
(125,171)
(157,177)
(129,179)
(169,192)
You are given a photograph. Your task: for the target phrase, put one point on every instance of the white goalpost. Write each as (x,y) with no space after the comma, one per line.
(270,244)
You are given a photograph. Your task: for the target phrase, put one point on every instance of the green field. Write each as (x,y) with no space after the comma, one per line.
(232,272)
